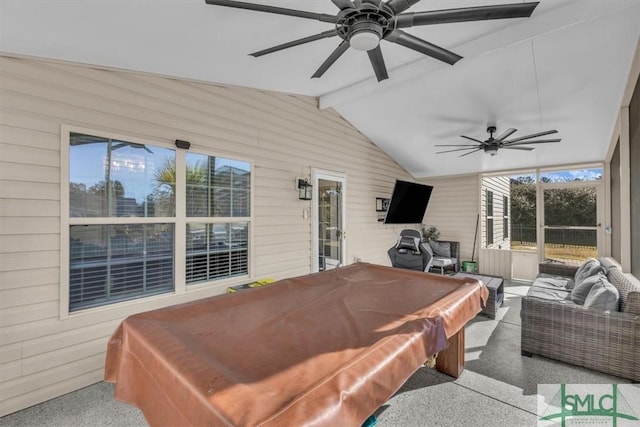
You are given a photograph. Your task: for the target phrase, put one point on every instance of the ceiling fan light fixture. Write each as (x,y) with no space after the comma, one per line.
(364,40)
(365,35)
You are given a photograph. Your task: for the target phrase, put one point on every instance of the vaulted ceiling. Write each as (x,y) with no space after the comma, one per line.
(563,68)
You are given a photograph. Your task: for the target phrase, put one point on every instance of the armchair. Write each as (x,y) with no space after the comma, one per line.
(446,255)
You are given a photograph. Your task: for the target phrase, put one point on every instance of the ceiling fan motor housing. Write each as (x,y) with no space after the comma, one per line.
(368,21)
(492,149)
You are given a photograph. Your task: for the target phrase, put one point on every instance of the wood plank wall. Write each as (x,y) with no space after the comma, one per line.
(42,356)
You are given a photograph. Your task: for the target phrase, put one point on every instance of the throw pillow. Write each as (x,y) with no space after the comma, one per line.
(581,290)
(588,268)
(603,296)
(442,249)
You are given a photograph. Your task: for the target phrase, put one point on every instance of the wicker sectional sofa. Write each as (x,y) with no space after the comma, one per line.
(555,326)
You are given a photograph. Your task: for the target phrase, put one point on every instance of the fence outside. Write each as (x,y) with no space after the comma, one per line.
(525,235)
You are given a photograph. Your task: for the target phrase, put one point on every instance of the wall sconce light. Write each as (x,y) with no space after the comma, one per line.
(304,189)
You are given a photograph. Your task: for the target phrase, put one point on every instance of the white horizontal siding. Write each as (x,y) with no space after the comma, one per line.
(496,262)
(284,136)
(453,210)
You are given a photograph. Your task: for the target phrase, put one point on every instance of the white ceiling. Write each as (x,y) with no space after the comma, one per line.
(564,68)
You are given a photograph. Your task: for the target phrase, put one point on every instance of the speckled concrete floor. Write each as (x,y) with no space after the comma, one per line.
(497,388)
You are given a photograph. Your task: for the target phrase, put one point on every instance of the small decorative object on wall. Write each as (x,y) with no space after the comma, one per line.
(304,189)
(382,205)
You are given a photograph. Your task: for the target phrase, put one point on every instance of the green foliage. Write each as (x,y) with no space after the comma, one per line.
(523,201)
(429,233)
(563,206)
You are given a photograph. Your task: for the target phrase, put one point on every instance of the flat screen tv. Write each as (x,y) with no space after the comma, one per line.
(408,203)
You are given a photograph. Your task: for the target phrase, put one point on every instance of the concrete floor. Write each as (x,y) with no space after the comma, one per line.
(497,388)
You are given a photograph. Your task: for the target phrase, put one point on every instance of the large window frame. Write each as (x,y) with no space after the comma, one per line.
(585,176)
(505,218)
(178,222)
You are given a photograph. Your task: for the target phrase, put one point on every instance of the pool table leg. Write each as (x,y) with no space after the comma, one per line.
(451,360)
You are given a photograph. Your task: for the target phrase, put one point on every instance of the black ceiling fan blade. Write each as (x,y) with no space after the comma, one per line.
(399,6)
(323,35)
(470,152)
(506,134)
(465,14)
(344,4)
(323,17)
(337,53)
(455,145)
(533,135)
(377,62)
(518,148)
(473,139)
(538,141)
(422,46)
(458,149)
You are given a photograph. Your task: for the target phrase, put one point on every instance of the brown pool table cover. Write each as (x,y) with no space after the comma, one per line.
(323,349)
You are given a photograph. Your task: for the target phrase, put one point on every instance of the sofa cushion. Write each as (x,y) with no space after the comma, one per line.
(442,249)
(603,295)
(608,263)
(588,268)
(439,261)
(553,281)
(581,290)
(552,294)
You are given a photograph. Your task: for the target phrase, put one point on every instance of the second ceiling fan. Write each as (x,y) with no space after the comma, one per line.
(362,24)
(492,145)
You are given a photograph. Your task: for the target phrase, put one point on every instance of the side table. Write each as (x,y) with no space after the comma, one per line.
(495,285)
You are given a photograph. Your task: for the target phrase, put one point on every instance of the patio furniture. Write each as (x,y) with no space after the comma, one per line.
(446,255)
(555,326)
(495,286)
(409,252)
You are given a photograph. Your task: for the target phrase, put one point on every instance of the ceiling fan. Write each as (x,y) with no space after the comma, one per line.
(361,24)
(492,145)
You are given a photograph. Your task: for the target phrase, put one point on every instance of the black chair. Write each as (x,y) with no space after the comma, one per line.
(410,253)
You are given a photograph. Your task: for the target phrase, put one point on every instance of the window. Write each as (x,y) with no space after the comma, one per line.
(123,220)
(489,207)
(571,175)
(217,188)
(505,217)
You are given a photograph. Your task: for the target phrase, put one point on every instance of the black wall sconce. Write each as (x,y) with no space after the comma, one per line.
(185,145)
(304,189)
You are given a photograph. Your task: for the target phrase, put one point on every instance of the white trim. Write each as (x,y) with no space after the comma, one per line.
(317,174)
(180,228)
(65,132)
(625,191)
(180,221)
